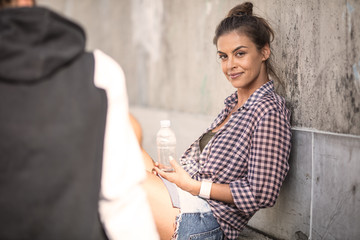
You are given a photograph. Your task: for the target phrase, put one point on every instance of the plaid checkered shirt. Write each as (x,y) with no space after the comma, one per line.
(250,152)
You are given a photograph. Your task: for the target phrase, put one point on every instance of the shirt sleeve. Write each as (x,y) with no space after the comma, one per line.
(123,205)
(267,164)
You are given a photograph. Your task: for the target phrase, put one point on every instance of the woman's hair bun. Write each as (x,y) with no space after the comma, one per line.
(245,8)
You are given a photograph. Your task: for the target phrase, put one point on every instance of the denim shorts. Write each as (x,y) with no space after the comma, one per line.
(195,221)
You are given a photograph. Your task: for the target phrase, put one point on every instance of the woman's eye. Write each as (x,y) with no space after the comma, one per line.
(240,54)
(222,57)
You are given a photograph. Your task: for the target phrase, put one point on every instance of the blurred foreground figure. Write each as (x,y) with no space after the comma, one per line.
(70,164)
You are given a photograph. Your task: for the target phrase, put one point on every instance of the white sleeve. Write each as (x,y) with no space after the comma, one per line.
(123,206)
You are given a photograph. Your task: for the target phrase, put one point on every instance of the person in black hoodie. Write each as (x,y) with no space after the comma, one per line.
(66,143)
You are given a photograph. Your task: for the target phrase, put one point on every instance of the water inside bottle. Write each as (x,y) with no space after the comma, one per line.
(164,154)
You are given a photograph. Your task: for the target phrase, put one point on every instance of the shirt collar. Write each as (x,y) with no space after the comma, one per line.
(232,100)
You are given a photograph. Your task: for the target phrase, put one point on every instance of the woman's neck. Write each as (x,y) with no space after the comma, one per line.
(245,93)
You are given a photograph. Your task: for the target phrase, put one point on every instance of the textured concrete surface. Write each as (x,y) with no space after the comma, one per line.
(166,50)
(319,54)
(250,234)
(336,181)
(320,198)
(292,212)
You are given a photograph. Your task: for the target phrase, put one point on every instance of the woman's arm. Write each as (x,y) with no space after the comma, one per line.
(267,164)
(182,179)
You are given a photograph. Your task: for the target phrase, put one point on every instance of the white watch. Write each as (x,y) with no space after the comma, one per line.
(205,189)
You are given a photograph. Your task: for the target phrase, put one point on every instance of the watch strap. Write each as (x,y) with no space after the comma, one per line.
(205,189)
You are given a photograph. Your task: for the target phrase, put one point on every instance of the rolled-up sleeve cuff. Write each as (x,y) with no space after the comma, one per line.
(243,197)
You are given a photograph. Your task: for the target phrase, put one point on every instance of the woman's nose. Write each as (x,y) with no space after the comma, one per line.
(231,63)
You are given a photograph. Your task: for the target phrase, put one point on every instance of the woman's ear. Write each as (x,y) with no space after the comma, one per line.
(265,51)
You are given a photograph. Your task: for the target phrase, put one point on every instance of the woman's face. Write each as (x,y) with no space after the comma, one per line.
(20,3)
(25,3)
(242,63)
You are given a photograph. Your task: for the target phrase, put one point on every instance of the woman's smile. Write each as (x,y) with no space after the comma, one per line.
(234,76)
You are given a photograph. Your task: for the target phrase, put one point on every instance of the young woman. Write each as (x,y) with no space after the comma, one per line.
(238,165)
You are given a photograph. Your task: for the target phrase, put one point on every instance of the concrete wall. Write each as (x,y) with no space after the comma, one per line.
(166,50)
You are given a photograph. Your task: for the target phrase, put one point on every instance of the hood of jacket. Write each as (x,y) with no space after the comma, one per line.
(35,42)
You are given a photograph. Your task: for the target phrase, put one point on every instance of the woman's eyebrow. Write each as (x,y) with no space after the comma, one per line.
(239,47)
(233,51)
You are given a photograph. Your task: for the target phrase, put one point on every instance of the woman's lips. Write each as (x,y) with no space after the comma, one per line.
(234,75)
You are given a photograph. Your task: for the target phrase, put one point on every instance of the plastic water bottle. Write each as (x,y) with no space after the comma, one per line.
(166,145)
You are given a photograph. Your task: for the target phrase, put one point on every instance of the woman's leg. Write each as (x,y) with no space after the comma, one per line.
(137,128)
(160,203)
(149,163)
(163,212)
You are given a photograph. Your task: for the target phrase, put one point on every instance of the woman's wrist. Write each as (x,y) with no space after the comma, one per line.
(194,187)
(205,188)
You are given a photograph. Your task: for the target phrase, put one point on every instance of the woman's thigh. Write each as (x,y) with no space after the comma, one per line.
(163,212)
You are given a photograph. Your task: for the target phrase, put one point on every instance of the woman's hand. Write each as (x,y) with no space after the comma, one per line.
(183,180)
(180,177)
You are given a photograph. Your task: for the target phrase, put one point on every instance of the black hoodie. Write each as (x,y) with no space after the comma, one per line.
(35,42)
(52,123)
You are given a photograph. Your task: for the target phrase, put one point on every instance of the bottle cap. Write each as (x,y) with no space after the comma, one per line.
(165,123)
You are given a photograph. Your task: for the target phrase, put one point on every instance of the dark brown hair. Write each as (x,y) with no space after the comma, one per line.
(5,3)
(241,19)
